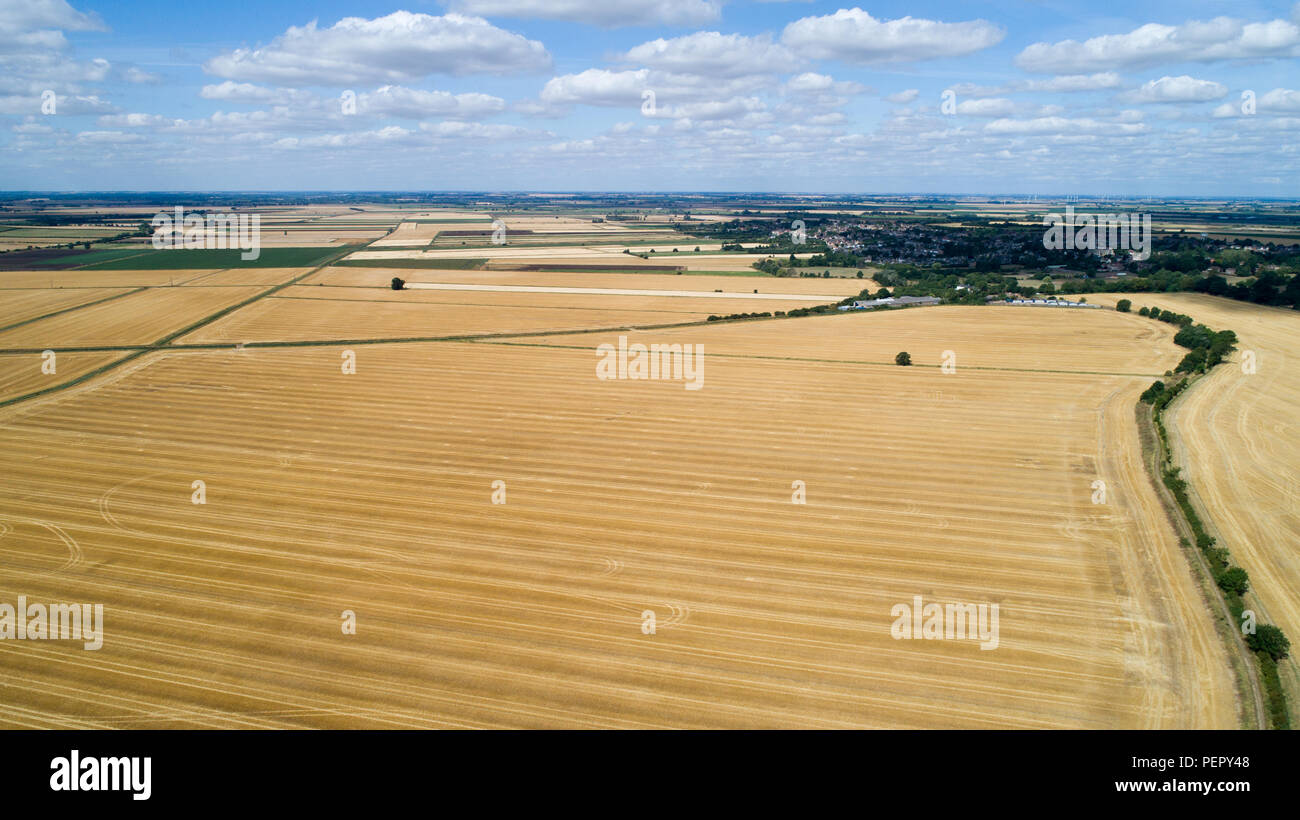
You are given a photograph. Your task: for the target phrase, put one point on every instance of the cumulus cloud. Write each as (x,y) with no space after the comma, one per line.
(607,13)
(855,36)
(709,52)
(20,17)
(1177,90)
(399,47)
(231,91)
(1281,99)
(35,55)
(904,97)
(396,101)
(605,87)
(597,86)
(1222,38)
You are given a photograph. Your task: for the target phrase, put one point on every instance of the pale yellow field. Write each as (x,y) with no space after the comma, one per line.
(1237,438)
(286,237)
(979,337)
(136,319)
(693,308)
(381,277)
(20,305)
(246,276)
(290,319)
(20,373)
(371,492)
(98,278)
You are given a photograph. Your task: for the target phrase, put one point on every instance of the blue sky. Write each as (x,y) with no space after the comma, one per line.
(1014,97)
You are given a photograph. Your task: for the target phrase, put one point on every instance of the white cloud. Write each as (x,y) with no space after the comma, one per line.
(1076,82)
(140,76)
(1280,99)
(396,101)
(989,107)
(904,97)
(709,52)
(855,36)
(608,13)
(1063,125)
(19,16)
(1219,39)
(230,91)
(133,120)
(108,137)
(34,54)
(603,87)
(597,86)
(1177,90)
(399,47)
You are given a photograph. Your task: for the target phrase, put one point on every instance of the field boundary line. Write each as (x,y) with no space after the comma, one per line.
(161,344)
(852,361)
(74,307)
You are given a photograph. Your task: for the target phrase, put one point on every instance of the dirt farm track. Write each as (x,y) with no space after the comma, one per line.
(372,492)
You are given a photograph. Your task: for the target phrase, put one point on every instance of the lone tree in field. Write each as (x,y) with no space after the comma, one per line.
(1269,640)
(398,283)
(903,359)
(1123,305)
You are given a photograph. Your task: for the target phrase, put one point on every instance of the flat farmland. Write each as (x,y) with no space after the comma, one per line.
(371,492)
(381,277)
(21,373)
(329,315)
(1236,436)
(139,318)
(246,276)
(98,278)
(21,305)
(510,301)
(1032,339)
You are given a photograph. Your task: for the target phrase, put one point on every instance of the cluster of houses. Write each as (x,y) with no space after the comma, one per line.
(896,301)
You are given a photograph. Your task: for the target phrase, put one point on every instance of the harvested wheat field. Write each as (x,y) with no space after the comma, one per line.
(1236,435)
(138,318)
(372,492)
(488,296)
(23,305)
(291,319)
(381,277)
(53,279)
(23,373)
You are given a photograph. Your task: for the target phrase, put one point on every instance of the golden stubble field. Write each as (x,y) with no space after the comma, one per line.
(1236,435)
(372,492)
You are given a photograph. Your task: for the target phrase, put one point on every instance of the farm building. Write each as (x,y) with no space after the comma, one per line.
(895,301)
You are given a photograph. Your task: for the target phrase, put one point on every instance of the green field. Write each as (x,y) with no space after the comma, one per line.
(437,264)
(182,259)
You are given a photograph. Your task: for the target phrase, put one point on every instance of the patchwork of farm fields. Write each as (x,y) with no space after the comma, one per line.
(361,478)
